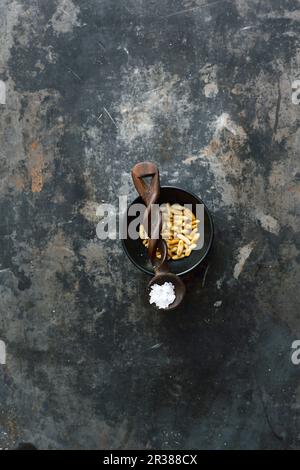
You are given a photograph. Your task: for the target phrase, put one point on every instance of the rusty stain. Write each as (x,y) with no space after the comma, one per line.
(12,428)
(34,145)
(212,148)
(36,173)
(36,167)
(37,178)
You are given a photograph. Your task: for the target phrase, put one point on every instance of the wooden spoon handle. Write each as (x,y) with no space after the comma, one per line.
(150,192)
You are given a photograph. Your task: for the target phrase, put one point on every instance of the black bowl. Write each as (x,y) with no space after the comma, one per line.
(136,251)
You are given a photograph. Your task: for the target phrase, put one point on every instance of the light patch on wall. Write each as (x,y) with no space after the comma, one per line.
(268,222)
(211,90)
(219,155)
(2,352)
(150,96)
(243,255)
(65,17)
(2,92)
(296,92)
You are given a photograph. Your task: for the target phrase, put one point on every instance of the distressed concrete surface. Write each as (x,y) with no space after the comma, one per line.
(203,89)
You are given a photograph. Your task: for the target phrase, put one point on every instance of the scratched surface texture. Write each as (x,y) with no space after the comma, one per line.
(203,88)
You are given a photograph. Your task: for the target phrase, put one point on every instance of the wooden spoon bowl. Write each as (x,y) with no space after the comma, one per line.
(160,278)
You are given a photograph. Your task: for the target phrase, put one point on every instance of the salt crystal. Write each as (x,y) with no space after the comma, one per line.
(162,295)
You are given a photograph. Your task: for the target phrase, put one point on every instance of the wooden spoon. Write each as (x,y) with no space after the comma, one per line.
(149,192)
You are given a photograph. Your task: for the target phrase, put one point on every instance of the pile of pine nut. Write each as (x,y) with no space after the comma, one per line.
(179,230)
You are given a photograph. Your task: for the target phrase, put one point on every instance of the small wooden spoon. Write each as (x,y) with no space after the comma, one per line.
(149,192)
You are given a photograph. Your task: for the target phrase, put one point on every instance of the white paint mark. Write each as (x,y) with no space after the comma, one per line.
(243,255)
(218,303)
(120,48)
(65,12)
(2,92)
(153,90)
(156,346)
(112,120)
(74,73)
(268,222)
(205,274)
(224,122)
(2,352)
(188,10)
